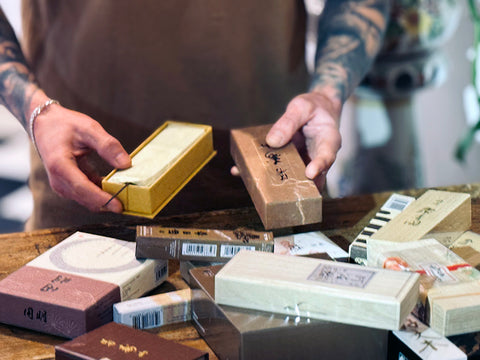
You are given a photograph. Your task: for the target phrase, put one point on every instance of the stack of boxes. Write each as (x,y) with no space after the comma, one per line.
(253,295)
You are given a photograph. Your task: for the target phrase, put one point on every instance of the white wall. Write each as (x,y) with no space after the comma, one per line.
(441,117)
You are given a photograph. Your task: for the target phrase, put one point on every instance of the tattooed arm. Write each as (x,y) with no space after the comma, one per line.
(349,37)
(63,136)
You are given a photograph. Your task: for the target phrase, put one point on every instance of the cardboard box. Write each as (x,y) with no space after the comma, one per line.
(120,342)
(275,179)
(157,242)
(161,166)
(235,333)
(71,288)
(154,311)
(321,289)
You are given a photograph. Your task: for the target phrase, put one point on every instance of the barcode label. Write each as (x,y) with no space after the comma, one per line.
(147,320)
(397,202)
(160,272)
(229,251)
(204,250)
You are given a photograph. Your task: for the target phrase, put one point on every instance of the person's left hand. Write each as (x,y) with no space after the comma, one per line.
(314,115)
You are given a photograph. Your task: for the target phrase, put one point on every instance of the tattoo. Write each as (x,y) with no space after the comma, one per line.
(349,36)
(16,80)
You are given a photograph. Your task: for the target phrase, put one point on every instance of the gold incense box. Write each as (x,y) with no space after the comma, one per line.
(161,166)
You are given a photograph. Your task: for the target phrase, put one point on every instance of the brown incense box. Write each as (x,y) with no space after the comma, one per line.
(275,179)
(120,342)
(157,242)
(236,333)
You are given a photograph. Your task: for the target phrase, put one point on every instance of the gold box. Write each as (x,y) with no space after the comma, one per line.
(145,194)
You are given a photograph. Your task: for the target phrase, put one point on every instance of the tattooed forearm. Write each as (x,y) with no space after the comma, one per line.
(16,81)
(349,36)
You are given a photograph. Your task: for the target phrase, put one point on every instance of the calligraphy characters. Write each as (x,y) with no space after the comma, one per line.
(275,158)
(125,348)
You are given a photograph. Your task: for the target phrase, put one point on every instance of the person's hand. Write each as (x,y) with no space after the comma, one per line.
(64,138)
(315,116)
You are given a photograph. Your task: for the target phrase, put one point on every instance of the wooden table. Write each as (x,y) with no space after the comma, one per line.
(343,219)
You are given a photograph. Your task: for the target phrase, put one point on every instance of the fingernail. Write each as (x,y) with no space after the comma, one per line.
(122,160)
(275,138)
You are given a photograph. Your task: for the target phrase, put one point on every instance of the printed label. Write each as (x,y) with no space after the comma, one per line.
(397,202)
(440,272)
(345,276)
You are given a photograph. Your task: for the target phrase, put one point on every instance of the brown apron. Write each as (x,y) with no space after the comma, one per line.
(131,65)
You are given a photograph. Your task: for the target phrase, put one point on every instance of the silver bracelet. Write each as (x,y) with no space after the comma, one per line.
(37,111)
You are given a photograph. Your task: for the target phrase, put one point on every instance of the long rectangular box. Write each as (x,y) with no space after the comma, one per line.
(120,342)
(275,179)
(71,288)
(153,311)
(161,166)
(158,242)
(434,212)
(321,289)
(242,334)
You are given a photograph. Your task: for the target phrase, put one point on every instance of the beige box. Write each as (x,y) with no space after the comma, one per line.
(244,334)
(320,289)
(437,214)
(161,166)
(275,179)
(450,287)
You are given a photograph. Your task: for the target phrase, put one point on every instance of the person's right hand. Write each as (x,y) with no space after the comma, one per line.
(64,138)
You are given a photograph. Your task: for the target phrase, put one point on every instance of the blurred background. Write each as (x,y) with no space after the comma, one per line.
(421,128)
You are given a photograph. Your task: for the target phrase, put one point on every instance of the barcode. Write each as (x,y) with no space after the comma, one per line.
(229,251)
(160,272)
(147,320)
(199,249)
(397,202)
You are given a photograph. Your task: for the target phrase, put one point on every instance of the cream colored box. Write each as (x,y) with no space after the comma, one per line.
(319,289)
(161,166)
(154,311)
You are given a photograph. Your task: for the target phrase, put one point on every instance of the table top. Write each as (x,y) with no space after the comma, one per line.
(343,219)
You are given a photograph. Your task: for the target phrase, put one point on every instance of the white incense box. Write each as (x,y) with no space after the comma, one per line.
(154,311)
(161,166)
(71,288)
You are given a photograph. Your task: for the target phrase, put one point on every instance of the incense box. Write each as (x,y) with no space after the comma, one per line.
(154,311)
(321,289)
(71,288)
(245,334)
(116,341)
(275,179)
(161,166)
(157,242)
